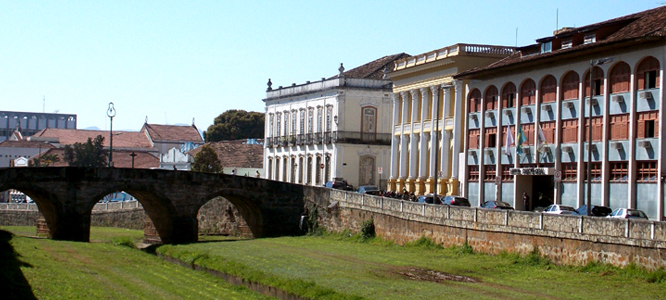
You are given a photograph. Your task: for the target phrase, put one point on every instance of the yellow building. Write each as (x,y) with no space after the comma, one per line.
(428,113)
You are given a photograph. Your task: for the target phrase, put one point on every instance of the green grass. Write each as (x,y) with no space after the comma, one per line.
(345,266)
(101,270)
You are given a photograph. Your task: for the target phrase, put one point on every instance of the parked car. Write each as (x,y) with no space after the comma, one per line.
(496,205)
(628,213)
(369,189)
(597,211)
(430,199)
(455,200)
(339,185)
(558,209)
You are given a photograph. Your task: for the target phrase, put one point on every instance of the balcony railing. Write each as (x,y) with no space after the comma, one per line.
(357,137)
(349,137)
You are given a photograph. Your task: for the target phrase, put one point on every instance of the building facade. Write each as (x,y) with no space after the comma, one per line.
(333,129)
(30,123)
(428,113)
(529,114)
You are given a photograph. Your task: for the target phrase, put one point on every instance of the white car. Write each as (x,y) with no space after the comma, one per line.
(558,209)
(628,213)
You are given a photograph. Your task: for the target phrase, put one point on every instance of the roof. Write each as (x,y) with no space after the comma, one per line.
(374,69)
(642,27)
(174,133)
(236,153)
(121,159)
(25,144)
(121,139)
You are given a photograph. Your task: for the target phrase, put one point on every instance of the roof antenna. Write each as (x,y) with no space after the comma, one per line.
(516,37)
(44,104)
(192,121)
(557,19)
(146,119)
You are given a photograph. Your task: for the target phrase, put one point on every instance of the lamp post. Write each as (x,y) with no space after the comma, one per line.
(111,112)
(593,63)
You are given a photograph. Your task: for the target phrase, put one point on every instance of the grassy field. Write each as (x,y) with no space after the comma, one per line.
(317,267)
(337,267)
(105,269)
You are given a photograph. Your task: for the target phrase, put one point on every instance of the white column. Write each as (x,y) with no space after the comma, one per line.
(395,141)
(435,136)
(413,167)
(423,151)
(446,135)
(404,139)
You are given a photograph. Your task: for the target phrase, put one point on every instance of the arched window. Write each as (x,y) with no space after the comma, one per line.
(597,82)
(648,73)
(491,98)
(509,95)
(619,78)
(570,86)
(474,101)
(527,91)
(548,89)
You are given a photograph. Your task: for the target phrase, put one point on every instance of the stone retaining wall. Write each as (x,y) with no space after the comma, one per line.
(564,239)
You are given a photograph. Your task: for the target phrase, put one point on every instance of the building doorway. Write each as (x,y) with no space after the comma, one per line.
(539,188)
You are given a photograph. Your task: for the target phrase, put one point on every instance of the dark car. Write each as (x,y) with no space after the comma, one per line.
(369,189)
(496,205)
(430,199)
(339,185)
(455,200)
(597,211)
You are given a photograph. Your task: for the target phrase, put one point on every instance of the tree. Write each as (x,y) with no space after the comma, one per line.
(45,160)
(88,154)
(236,124)
(206,161)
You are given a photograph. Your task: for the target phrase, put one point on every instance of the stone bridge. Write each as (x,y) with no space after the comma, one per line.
(66,196)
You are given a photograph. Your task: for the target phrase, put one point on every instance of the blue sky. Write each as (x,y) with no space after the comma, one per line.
(172,61)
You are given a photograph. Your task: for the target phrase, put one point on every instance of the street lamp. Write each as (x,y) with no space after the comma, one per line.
(111,112)
(593,63)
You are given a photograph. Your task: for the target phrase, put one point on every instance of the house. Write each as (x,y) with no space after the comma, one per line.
(330,129)
(428,116)
(30,123)
(529,114)
(239,157)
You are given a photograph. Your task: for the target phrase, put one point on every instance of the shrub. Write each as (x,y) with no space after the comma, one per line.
(368,229)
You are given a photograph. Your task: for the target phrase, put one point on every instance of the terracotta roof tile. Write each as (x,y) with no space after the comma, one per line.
(173,133)
(237,153)
(121,159)
(375,68)
(645,26)
(25,144)
(121,139)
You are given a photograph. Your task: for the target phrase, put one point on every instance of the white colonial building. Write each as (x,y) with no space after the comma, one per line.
(543,91)
(335,128)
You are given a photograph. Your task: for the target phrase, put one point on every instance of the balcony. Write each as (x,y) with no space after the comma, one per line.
(357,137)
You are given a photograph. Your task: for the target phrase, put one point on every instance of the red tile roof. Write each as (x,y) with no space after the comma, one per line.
(172,133)
(237,153)
(643,27)
(121,139)
(121,159)
(375,68)
(25,144)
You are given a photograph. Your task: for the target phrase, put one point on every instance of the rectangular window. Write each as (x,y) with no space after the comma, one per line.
(595,170)
(279,120)
(473,139)
(590,38)
(490,138)
(548,129)
(320,117)
(270,124)
(597,129)
(619,171)
(647,171)
(648,123)
(569,172)
(310,120)
(546,47)
(509,101)
(302,125)
(490,173)
(528,130)
(569,131)
(506,174)
(619,127)
(473,173)
(566,44)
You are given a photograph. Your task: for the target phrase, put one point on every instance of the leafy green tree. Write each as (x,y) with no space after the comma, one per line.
(88,154)
(236,124)
(45,160)
(207,161)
